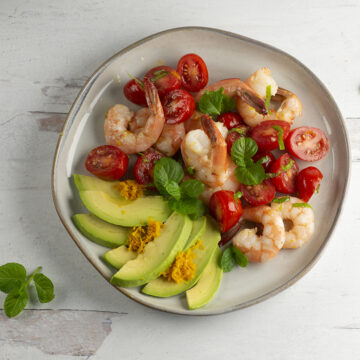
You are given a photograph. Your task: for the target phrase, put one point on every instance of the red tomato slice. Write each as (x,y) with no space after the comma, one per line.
(285,182)
(134,92)
(266,136)
(144,166)
(225,209)
(107,162)
(193,72)
(165,79)
(307,143)
(260,194)
(308,181)
(178,106)
(268,163)
(231,120)
(234,135)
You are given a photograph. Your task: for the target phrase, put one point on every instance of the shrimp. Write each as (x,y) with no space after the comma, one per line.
(170,139)
(236,87)
(119,117)
(205,151)
(194,122)
(266,246)
(302,219)
(290,106)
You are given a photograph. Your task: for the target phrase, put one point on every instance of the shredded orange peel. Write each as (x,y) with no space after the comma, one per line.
(129,189)
(139,236)
(183,269)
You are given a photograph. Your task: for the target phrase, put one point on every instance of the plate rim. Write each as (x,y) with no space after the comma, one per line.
(76,106)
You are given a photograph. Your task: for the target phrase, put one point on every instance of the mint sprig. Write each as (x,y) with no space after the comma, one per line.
(216,102)
(183,197)
(232,256)
(15,282)
(248,172)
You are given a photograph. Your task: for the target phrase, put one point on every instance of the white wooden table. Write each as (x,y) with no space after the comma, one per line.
(47,51)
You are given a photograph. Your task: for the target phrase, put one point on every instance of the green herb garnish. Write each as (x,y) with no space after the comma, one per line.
(159,74)
(232,256)
(268,97)
(14,282)
(242,131)
(183,197)
(317,189)
(238,195)
(190,170)
(139,82)
(281,200)
(216,102)
(302,205)
(288,166)
(280,132)
(271,175)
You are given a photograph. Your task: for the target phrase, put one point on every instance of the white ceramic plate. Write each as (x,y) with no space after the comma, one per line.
(226,55)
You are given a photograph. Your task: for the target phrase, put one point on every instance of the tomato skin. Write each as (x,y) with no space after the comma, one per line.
(225,209)
(285,182)
(233,136)
(107,162)
(271,159)
(178,106)
(231,120)
(308,181)
(135,93)
(193,72)
(266,136)
(307,143)
(144,166)
(167,83)
(260,194)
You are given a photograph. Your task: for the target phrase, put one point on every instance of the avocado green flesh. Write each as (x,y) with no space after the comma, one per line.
(158,254)
(99,231)
(161,287)
(123,212)
(119,257)
(198,229)
(208,284)
(84,182)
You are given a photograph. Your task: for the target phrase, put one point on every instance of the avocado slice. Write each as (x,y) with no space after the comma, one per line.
(161,287)
(119,256)
(119,211)
(198,229)
(158,254)
(208,284)
(99,231)
(84,182)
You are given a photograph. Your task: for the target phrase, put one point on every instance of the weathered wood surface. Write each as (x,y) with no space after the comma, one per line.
(48,49)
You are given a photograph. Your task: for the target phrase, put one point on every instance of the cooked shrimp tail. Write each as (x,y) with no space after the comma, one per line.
(252,99)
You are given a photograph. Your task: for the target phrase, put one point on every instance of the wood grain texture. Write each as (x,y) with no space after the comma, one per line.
(48,50)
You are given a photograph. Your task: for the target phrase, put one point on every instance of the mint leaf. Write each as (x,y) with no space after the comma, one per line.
(280,132)
(188,206)
(238,195)
(160,178)
(227,261)
(240,258)
(15,303)
(288,166)
(253,174)
(268,97)
(173,189)
(302,205)
(192,188)
(212,102)
(173,169)
(12,277)
(243,149)
(228,104)
(44,288)
(281,200)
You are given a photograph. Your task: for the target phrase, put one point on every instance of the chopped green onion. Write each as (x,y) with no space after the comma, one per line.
(241,131)
(280,132)
(281,199)
(302,205)
(268,97)
(238,195)
(271,175)
(159,74)
(139,82)
(288,166)
(317,189)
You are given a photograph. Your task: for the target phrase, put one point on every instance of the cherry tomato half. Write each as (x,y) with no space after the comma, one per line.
(144,166)
(107,162)
(165,79)
(307,143)
(225,209)
(269,161)
(308,181)
(134,92)
(232,136)
(178,106)
(193,72)
(266,136)
(231,120)
(285,182)
(260,194)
